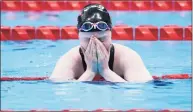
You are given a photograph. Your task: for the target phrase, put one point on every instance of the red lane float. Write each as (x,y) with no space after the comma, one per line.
(54,5)
(32,5)
(140,5)
(179,5)
(162,5)
(172,76)
(172,110)
(105,110)
(182,5)
(188,33)
(39,110)
(171,32)
(104,3)
(23,33)
(140,110)
(122,32)
(5,33)
(48,32)
(22,78)
(69,32)
(146,32)
(74,110)
(119,32)
(75,5)
(11,5)
(6,111)
(118,5)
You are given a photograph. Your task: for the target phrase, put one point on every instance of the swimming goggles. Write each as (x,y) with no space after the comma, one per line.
(88,26)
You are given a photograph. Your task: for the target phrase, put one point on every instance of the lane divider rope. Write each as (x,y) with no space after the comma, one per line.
(132,5)
(171,76)
(163,77)
(104,110)
(119,32)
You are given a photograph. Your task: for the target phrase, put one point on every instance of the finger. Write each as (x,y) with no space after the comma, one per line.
(93,49)
(95,52)
(83,50)
(91,46)
(94,40)
(88,50)
(109,49)
(95,44)
(101,46)
(100,53)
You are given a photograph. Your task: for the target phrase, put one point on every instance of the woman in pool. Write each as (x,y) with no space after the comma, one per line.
(97,58)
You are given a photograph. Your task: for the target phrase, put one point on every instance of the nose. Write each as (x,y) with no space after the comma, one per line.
(94,26)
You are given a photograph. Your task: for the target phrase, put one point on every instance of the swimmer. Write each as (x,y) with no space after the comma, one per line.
(97,57)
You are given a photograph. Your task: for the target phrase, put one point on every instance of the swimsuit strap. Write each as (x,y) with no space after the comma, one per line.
(83,61)
(111,58)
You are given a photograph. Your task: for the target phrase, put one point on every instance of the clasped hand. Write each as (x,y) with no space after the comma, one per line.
(96,56)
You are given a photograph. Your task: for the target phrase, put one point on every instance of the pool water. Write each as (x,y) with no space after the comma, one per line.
(44,95)
(63,18)
(38,58)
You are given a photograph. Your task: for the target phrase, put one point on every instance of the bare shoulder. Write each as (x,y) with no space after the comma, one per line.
(124,51)
(72,59)
(127,56)
(73,53)
(66,66)
(124,57)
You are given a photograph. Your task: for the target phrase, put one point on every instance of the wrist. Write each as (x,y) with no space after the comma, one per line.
(89,71)
(105,71)
(87,76)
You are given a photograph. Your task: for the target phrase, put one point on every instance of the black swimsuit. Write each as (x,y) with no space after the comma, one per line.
(111,59)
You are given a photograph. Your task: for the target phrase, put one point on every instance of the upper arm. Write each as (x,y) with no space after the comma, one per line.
(135,69)
(64,69)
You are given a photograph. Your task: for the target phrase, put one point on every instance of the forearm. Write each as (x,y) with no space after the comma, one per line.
(87,76)
(111,76)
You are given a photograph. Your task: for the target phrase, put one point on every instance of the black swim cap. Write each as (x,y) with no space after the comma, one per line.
(94,13)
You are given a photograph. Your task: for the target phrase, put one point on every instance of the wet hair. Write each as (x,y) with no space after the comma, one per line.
(94,13)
